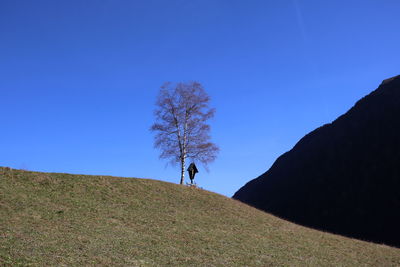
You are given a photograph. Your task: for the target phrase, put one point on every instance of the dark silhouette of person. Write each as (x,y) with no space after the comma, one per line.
(192,171)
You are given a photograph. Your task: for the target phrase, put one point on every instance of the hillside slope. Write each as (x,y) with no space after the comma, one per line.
(343,177)
(50,219)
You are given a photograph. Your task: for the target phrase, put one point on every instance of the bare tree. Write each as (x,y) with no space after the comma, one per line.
(182,133)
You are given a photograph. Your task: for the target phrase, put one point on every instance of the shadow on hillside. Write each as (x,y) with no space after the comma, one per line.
(343,177)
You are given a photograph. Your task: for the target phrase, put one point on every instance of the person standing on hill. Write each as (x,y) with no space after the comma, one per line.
(192,171)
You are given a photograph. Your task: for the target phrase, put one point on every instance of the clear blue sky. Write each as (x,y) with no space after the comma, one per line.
(79,79)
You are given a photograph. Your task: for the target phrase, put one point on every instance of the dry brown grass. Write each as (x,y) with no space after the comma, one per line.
(70,220)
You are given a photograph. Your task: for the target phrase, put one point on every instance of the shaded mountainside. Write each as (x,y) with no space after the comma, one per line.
(343,177)
(54,219)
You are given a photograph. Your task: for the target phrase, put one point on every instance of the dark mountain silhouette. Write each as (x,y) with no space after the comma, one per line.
(343,177)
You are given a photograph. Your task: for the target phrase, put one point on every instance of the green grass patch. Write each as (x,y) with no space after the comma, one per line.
(52,219)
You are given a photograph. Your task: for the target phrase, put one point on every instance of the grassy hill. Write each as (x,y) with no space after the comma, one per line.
(51,219)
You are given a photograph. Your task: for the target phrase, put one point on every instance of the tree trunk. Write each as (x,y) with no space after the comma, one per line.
(182,170)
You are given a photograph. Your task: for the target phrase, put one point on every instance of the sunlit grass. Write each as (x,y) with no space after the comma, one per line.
(70,220)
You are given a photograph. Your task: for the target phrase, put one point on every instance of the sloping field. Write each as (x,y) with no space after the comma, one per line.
(50,219)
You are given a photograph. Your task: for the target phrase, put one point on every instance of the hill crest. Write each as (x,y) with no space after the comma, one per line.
(62,219)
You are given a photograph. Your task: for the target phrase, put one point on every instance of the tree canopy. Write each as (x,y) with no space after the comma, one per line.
(181,129)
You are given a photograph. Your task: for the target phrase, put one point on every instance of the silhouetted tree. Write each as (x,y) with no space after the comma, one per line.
(182,133)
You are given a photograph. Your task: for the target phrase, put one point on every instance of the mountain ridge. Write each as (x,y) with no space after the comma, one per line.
(330,179)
